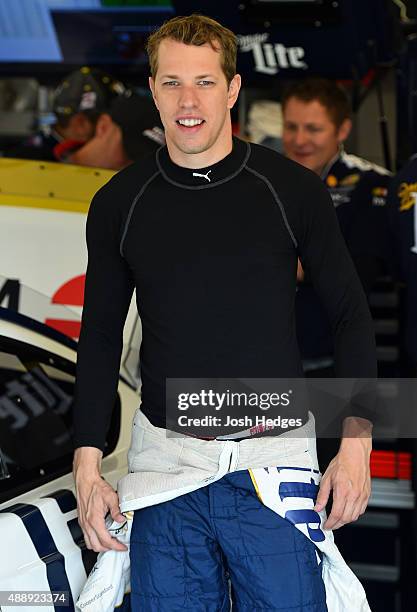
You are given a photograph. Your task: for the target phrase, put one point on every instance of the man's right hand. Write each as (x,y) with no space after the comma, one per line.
(95,498)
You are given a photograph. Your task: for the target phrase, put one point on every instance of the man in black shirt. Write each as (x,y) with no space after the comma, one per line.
(316,123)
(208,231)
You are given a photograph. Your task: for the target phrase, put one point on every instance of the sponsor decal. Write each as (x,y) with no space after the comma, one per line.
(270,58)
(31,395)
(341,195)
(156,134)
(247,41)
(379,196)
(379,191)
(70,294)
(88,100)
(205,176)
(350,179)
(291,492)
(408,195)
(331,180)
(10,294)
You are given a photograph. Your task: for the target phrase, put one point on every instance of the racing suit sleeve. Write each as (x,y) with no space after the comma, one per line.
(108,292)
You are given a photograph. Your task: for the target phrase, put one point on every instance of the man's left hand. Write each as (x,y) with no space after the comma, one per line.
(348,476)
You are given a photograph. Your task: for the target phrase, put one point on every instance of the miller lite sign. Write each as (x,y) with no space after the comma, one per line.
(271,58)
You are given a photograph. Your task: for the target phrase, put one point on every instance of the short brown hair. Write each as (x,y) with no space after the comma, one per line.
(196,30)
(330,95)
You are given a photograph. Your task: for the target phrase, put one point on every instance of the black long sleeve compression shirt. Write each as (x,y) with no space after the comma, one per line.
(213,256)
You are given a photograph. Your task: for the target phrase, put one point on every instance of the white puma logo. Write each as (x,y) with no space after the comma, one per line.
(206,176)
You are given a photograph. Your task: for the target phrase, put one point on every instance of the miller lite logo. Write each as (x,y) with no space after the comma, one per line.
(270,58)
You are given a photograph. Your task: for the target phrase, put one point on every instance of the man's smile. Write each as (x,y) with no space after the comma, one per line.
(190,125)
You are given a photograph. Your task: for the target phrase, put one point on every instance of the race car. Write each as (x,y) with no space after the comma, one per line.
(42,546)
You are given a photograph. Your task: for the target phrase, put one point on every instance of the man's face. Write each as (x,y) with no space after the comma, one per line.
(309,136)
(191,93)
(105,149)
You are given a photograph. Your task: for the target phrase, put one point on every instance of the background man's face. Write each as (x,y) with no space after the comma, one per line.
(191,93)
(105,149)
(309,135)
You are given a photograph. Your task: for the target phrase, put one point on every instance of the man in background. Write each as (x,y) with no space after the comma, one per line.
(316,123)
(129,131)
(78,102)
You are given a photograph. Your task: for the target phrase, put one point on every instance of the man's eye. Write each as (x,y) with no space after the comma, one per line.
(205,83)
(171,83)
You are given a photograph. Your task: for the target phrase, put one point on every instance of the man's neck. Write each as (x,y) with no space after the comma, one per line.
(323,172)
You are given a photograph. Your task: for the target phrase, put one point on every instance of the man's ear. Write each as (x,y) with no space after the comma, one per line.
(344,130)
(104,123)
(152,88)
(234,89)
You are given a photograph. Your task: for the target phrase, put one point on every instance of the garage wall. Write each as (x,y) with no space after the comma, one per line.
(365,139)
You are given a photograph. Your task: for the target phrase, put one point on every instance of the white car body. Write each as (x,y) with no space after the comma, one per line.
(41,543)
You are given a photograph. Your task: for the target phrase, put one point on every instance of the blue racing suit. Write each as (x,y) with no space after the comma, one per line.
(184,550)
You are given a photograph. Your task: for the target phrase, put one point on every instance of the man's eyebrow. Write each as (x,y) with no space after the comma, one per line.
(176,77)
(294,122)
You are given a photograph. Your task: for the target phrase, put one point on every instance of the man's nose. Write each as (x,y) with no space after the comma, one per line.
(188,98)
(300,138)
